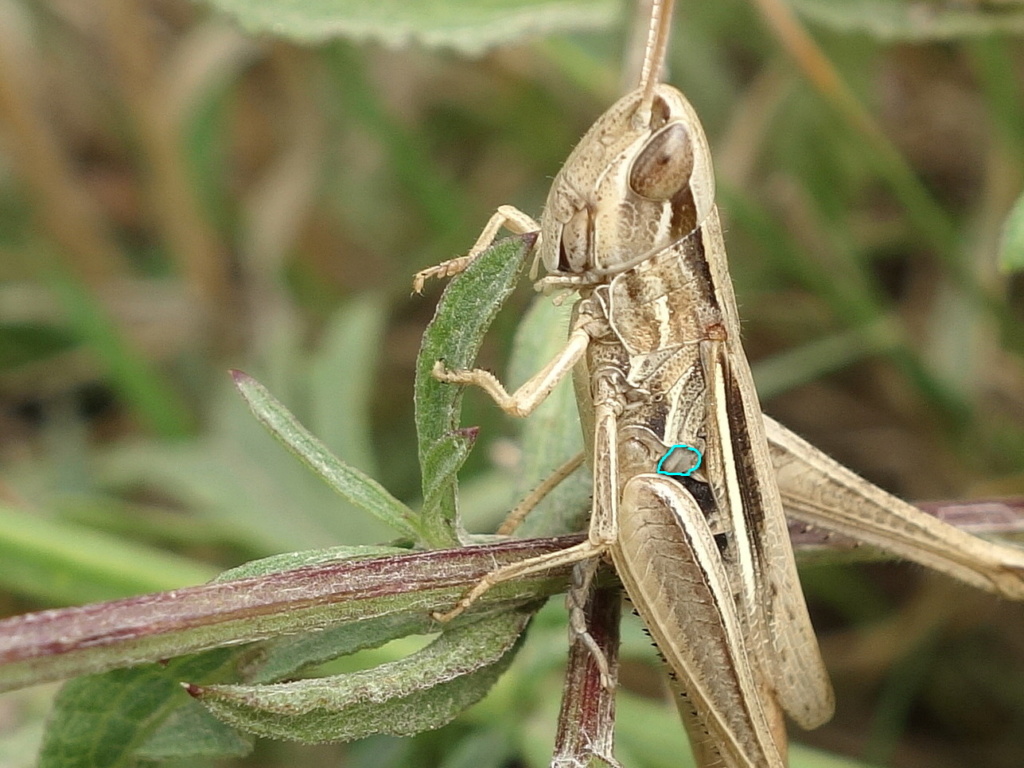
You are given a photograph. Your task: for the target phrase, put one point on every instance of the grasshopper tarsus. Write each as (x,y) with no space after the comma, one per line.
(507,216)
(445,269)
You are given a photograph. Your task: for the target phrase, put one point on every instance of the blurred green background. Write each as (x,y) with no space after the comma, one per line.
(179,197)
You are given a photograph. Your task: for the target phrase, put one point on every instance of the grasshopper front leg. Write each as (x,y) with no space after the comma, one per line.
(507,216)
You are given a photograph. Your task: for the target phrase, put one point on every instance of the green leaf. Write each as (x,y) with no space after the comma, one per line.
(468,27)
(1011,247)
(464,313)
(349,482)
(418,693)
(286,656)
(238,478)
(237,475)
(341,381)
(99,721)
(190,732)
(441,465)
(905,20)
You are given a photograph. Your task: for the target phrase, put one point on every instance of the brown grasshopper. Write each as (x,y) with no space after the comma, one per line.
(691,483)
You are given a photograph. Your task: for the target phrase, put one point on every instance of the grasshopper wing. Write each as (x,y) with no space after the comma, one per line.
(758,554)
(669,563)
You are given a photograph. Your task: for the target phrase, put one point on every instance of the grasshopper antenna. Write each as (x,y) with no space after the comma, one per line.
(654,56)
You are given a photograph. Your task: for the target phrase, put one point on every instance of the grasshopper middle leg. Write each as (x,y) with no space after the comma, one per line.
(521,403)
(524,400)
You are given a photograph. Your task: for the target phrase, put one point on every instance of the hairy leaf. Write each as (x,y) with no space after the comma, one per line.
(441,465)
(464,313)
(99,721)
(468,27)
(355,486)
(906,20)
(190,732)
(418,693)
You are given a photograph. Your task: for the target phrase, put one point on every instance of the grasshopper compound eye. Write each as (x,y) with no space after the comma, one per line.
(664,166)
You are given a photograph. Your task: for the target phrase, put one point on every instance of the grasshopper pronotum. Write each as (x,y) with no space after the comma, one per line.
(631,225)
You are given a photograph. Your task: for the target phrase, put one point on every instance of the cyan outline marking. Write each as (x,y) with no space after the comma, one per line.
(688,472)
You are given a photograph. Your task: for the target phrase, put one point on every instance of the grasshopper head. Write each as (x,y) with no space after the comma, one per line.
(628,190)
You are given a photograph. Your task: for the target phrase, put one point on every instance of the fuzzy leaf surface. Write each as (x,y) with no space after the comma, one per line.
(919,21)
(355,486)
(552,435)
(99,721)
(467,27)
(423,691)
(191,732)
(464,313)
